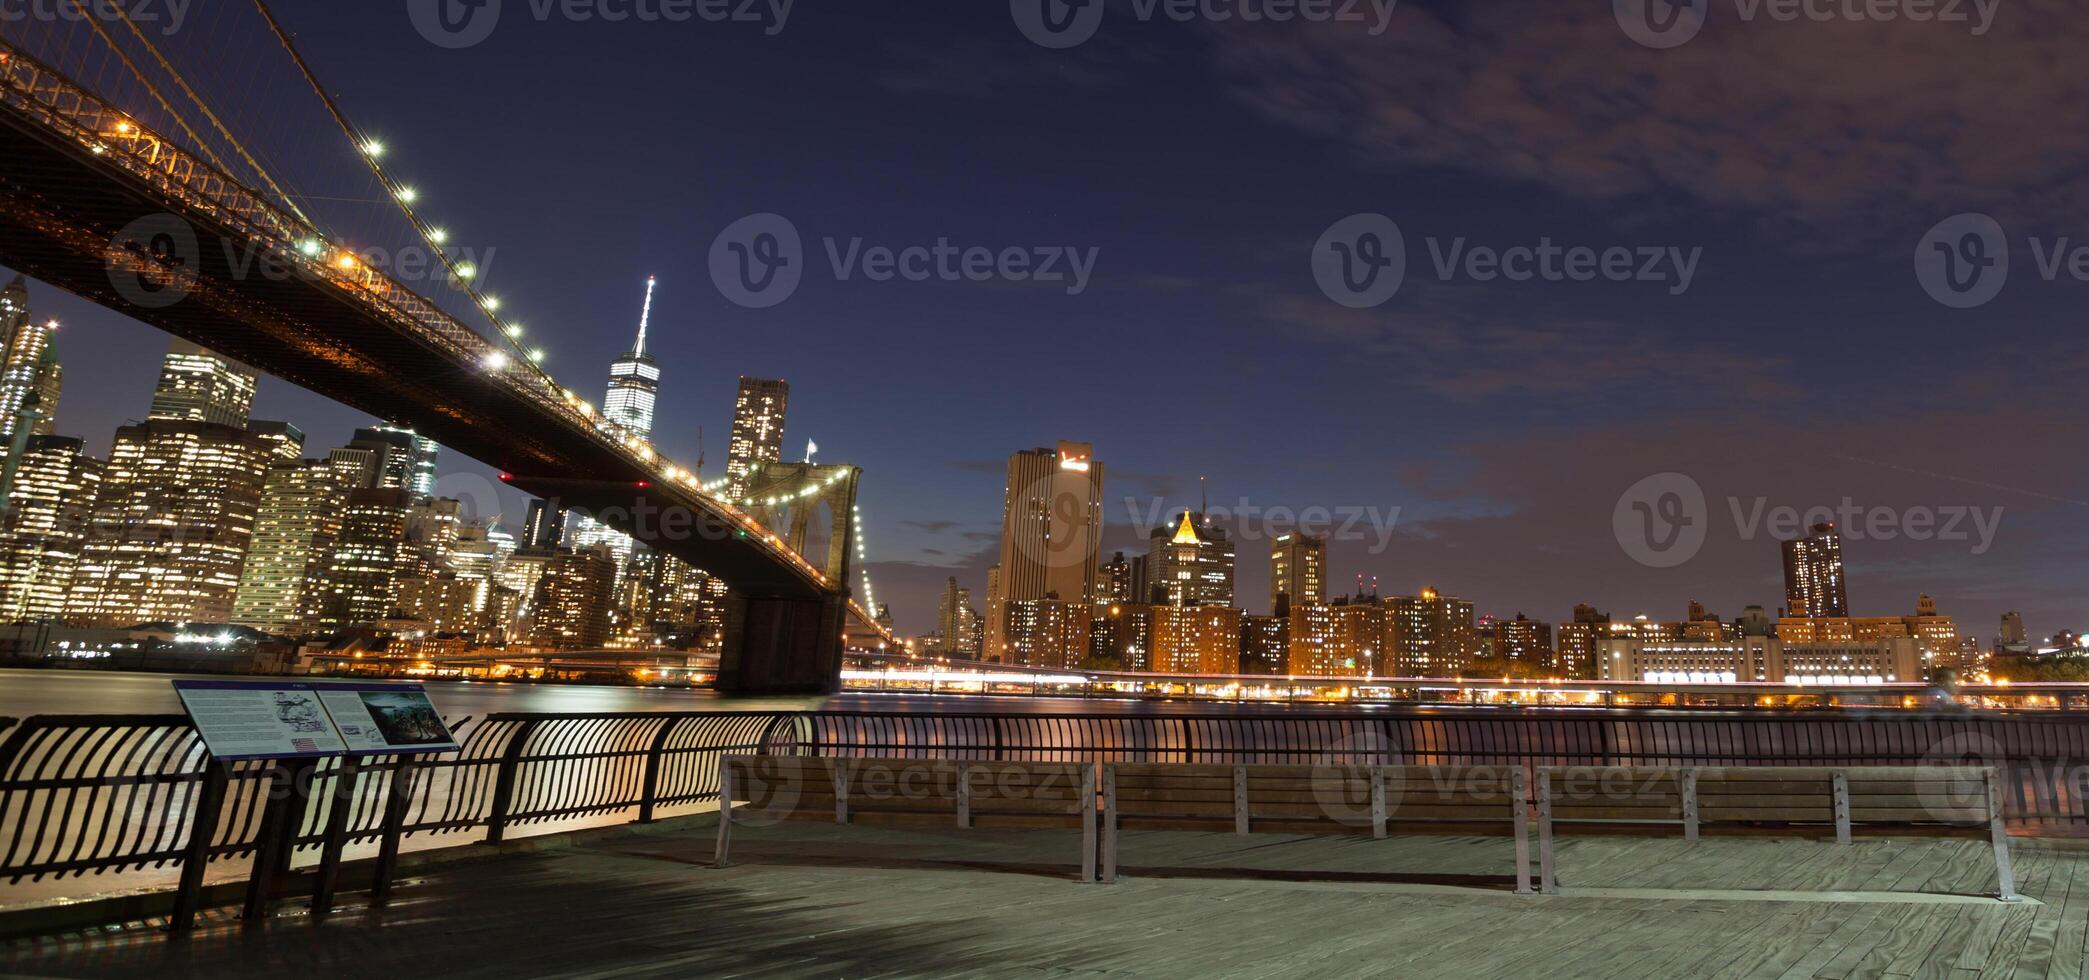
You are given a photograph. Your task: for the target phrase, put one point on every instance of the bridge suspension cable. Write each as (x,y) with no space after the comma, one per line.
(283,197)
(461,274)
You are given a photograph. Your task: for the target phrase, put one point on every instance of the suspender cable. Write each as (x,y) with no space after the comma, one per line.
(167,67)
(359,142)
(150,88)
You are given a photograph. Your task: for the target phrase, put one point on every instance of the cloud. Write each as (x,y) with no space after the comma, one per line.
(1822,125)
(932,527)
(1457,342)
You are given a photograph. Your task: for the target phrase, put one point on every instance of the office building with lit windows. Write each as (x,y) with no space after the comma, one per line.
(294,531)
(1051,534)
(1813,577)
(1265,643)
(757,436)
(1429,635)
(357,585)
(1345,638)
(634,380)
(1047,632)
(571,608)
(30,375)
(1122,634)
(196,385)
(1191,562)
(44,527)
(1195,640)
(1297,568)
(170,528)
(1759,659)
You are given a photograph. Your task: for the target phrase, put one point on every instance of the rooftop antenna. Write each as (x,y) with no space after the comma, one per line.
(1203,500)
(699,452)
(645,316)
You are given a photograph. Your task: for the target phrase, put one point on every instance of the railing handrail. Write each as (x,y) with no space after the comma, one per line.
(84,794)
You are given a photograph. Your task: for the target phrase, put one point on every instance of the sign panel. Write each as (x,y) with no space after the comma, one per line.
(260,719)
(385,718)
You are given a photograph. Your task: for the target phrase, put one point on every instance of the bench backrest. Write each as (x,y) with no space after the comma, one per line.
(933,791)
(1307,798)
(1848,799)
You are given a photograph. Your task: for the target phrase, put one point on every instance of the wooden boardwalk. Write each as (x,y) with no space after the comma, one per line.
(811,900)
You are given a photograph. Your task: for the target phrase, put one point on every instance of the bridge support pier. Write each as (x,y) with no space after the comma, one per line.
(782,646)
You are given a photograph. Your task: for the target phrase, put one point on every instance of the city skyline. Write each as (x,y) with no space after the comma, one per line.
(1513,384)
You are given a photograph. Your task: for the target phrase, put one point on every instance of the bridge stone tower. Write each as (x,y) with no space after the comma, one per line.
(793,645)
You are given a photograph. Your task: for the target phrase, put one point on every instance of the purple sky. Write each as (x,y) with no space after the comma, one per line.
(1801,163)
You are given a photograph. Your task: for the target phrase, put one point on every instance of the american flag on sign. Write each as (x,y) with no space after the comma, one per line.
(303,745)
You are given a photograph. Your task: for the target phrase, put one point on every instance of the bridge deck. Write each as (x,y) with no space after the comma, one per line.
(814,900)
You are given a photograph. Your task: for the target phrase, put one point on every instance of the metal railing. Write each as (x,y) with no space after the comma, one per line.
(86,794)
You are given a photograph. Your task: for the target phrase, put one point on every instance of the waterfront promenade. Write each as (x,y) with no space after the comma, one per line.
(811,900)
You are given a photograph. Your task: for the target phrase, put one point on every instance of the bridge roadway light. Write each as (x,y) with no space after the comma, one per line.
(373,148)
(497,361)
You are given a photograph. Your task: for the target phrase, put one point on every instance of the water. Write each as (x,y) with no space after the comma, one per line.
(81,692)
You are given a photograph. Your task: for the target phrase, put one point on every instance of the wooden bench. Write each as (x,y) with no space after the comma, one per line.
(935,792)
(1316,799)
(1950,801)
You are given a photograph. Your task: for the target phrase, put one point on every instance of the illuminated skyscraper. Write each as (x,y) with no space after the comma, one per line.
(634,380)
(29,371)
(545,526)
(286,442)
(45,528)
(198,386)
(571,610)
(400,458)
(1429,635)
(954,621)
(1813,582)
(171,525)
(1051,533)
(1298,568)
(299,519)
(758,417)
(1195,640)
(357,586)
(1192,561)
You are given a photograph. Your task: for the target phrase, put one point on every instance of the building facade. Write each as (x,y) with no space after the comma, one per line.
(294,532)
(1191,562)
(1813,577)
(44,528)
(170,527)
(1051,534)
(757,436)
(1195,640)
(1297,569)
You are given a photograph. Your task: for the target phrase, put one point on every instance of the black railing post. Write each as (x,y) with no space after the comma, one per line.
(281,817)
(650,799)
(203,832)
(340,801)
(396,801)
(504,781)
(1000,743)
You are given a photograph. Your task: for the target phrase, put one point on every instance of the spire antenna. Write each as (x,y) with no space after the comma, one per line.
(645,316)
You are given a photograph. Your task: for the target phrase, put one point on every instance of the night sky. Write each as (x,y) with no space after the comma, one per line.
(1805,363)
